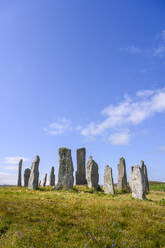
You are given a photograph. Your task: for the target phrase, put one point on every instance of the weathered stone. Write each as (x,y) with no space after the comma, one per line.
(122,176)
(81,172)
(19,183)
(52,177)
(26,176)
(92,173)
(144,169)
(44,180)
(137,183)
(108,181)
(130,178)
(65,172)
(34,174)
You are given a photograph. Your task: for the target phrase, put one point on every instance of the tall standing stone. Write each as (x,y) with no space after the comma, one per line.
(52,177)
(34,174)
(65,172)
(26,176)
(144,169)
(130,178)
(81,172)
(122,175)
(44,180)
(137,183)
(108,181)
(92,173)
(19,183)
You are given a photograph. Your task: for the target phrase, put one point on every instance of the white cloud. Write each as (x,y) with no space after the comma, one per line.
(78,128)
(161,148)
(121,138)
(163,35)
(159,51)
(9,179)
(130,111)
(14,160)
(3,174)
(131,49)
(62,125)
(144,93)
(9,167)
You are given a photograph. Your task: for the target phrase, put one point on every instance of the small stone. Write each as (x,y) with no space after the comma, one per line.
(92,173)
(19,183)
(65,172)
(34,174)
(108,181)
(26,176)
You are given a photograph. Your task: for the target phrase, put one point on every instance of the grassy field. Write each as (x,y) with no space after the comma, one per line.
(157,186)
(80,218)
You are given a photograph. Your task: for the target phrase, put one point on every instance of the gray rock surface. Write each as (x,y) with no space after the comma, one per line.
(44,180)
(26,176)
(144,169)
(108,180)
(34,174)
(130,178)
(81,171)
(92,173)
(52,177)
(122,175)
(137,183)
(19,183)
(65,172)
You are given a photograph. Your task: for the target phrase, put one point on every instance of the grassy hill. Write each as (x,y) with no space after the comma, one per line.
(81,218)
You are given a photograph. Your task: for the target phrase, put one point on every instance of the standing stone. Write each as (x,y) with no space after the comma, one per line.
(81,172)
(44,180)
(122,176)
(19,183)
(108,181)
(144,169)
(26,176)
(137,183)
(92,173)
(65,172)
(34,174)
(39,183)
(52,177)
(130,178)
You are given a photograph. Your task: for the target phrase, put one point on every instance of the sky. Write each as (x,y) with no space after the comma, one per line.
(82,73)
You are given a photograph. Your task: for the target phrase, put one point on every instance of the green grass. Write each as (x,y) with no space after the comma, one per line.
(80,218)
(157,186)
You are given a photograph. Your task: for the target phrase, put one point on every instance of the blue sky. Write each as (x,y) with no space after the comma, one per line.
(82,73)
